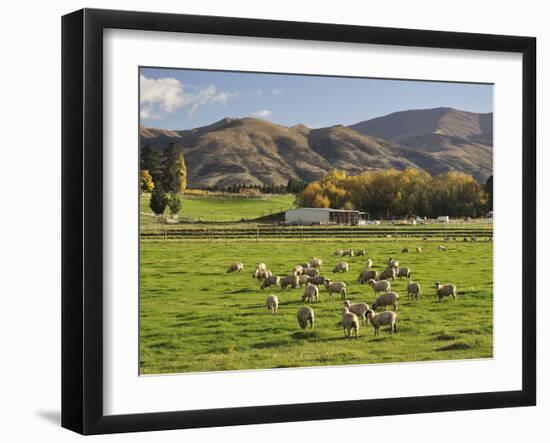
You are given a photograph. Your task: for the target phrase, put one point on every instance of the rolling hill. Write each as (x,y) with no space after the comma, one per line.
(255,151)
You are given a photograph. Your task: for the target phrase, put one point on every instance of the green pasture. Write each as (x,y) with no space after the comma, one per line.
(195,317)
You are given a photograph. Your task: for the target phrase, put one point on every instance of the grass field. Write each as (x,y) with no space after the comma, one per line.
(196,317)
(224,208)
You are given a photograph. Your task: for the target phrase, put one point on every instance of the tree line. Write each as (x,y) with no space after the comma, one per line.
(165,176)
(391,193)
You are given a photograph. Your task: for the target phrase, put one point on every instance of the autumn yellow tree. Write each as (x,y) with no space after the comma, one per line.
(146,181)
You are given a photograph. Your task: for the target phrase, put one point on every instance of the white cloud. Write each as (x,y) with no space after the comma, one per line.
(263,113)
(276,92)
(166,95)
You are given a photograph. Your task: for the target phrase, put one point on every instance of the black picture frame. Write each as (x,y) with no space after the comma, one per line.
(82,219)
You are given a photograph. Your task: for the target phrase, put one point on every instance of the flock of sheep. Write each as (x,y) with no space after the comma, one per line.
(308,276)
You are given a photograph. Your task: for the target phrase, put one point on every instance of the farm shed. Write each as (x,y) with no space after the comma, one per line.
(311,216)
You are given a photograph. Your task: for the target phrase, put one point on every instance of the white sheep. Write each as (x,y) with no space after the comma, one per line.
(338,287)
(305,315)
(272,303)
(298,270)
(341,267)
(312,272)
(382,319)
(413,290)
(263,274)
(304,279)
(445,290)
(348,252)
(367,275)
(359,309)
(290,280)
(388,273)
(338,253)
(379,286)
(419,250)
(260,268)
(392,264)
(387,299)
(442,248)
(404,272)
(270,281)
(369,263)
(311,294)
(316,263)
(349,322)
(236,267)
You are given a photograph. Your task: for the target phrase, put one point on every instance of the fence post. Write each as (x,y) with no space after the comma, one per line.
(165,234)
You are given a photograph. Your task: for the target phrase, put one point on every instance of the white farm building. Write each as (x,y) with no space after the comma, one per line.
(324,216)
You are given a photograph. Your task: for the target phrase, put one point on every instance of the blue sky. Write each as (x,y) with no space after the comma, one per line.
(184,99)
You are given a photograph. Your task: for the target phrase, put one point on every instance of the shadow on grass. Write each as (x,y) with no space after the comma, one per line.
(456,346)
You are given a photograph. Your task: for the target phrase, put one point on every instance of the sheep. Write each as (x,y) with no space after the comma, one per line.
(316,263)
(359,309)
(360,253)
(389,298)
(404,250)
(442,248)
(260,267)
(445,291)
(404,272)
(348,252)
(263,274)
(419,250)
(338,253)
(236,267)
(392,264)
(319,280)
(366,275)
(369,263)
(290,280)
(349,322)
(270,281)
(341,267)
(382,319)
(298,270)
(305,315)
(388,273)
(413,290)
(305,265)
(312,272)
(311,293)
(379,286)
(337,286)
(272,303)
(303,280)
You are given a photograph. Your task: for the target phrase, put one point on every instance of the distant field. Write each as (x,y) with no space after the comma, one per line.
(218,208)
(196,317)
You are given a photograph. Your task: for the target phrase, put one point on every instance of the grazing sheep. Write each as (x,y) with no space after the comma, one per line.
(445,290)
(404,250)
(359,309)
(263,274)
(338,253)
(382,319)
(290,280)
(348,252)
(379,286)
(305,265)
(413,290)
(369,263)
(337,286)
(312,272)
(366,275)
(316,263)
(392,264)
(298,270)
(349,322)
(304,280)
(272,303)
(319,280)
(387,299)
(311,293)
(442,248)
(305,315)
(404,272)
(360,253)
(260,267)
(388,273)
(236,267)
(341,267)
(270,281)
(419,250)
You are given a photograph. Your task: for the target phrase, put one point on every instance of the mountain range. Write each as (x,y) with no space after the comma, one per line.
(255,151)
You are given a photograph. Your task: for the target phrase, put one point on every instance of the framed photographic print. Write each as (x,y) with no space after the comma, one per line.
(256,210)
